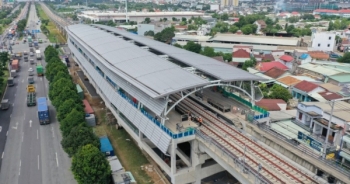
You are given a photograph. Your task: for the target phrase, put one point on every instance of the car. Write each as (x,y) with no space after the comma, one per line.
(30,80)
(31,54)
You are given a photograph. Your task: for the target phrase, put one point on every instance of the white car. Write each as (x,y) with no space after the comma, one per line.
(31,71)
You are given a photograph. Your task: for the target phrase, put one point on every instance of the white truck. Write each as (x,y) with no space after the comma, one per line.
(38,54)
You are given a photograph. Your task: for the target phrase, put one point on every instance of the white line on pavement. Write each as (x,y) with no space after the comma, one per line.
(41,79)
(7,133)
(13,104)
(0,128)
(2,156)
(56,159)
(22,136)
(37,134)
(30,123)
(38,163)
(19,167)
(10,115)
(22,80)
(26,99)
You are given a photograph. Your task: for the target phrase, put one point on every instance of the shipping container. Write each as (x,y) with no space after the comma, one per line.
(106,146)
(80,92)
(43,111)
(15,65)
(87,107)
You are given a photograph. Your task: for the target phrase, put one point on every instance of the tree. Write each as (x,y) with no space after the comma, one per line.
(166,35)
(149,33)
(330,26)
(66,107)
(224,16)
(73,119)
(57,87)
(65,94)
(147,20)
(4,59)
(89,166)
(279,92)
(249,63)
(208,51)
(53,68)
(233,29)
(247,30)
(183,19)
(61,75)
(177,45)
(345,58)
(77,138)
(193,47)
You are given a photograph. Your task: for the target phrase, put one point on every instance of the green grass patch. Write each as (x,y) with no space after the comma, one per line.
(3,87)
(126,149)
(55,36)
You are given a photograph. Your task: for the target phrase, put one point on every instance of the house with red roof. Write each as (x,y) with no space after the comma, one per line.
(265,66)
(304,90)
(272,104)
(241,55)
(286,60)
(295,14)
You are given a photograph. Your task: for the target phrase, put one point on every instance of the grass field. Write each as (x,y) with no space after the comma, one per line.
(55,36)
(127,151)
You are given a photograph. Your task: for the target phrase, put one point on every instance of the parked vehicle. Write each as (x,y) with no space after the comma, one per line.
(10,81)
(15,65)
(43,111)
(31,95)
(4,104)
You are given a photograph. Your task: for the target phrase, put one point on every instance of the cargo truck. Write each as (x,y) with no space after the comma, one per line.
(15,65)
(38,54)
(10,81)
(40,70)
(31,95)
(43,111)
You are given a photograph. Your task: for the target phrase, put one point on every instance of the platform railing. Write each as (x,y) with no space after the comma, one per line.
(231,158)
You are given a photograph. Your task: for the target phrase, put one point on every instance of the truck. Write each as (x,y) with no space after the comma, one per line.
(40,40)
(43,111)
(40,70)
(13,73)
(15,65)
(10,81)
(36,44)
(38,54)
(4,104)
(31,95)
(30,40)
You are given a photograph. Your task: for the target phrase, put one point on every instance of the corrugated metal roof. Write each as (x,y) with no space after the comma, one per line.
(268,40)
(321,69)
(341,78)
(148,72)
(210,66)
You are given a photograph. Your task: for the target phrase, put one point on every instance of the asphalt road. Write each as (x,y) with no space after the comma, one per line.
(33,153)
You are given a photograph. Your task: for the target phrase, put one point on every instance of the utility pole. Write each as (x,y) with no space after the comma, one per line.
(126,10)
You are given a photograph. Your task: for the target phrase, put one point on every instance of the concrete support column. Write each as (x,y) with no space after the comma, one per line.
(173,157)
(252,92)
(195,161)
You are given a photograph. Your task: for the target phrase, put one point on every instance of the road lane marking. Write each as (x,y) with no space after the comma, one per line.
(13,103)
(22,80)
(0,128)
(22,136)
(37,134)
(38,163)
(19,168)
(10,115)
(15,126)
(2,156)
(30,123)
(56,159)
(41,79)
(7,133)
(26,99)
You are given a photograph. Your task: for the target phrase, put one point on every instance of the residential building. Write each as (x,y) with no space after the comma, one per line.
(342,13)
(239,47)
(277,73)
(330,95)
(264,57)
(303,89)
(318,72)
(287,60)
(287,81)
(261,25)
(265,66)
(340,79)
(156,27)
(304,58)
(324,41)
(316,115)
(241,55)
(272,104)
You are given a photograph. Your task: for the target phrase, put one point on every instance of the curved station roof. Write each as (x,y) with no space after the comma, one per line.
(150,73)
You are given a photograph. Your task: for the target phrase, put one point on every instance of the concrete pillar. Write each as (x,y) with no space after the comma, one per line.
(173,157)
(195,161)
(252,92)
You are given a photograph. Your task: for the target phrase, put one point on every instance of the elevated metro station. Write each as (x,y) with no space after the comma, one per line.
(184,109)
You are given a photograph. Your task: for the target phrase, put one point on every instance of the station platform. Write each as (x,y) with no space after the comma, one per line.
(174,119)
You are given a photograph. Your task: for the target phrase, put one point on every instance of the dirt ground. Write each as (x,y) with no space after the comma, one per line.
(151,169)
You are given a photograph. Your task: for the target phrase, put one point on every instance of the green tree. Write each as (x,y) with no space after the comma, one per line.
(345,58)
(247,30)
(279,92)
(147,20)
(249,63)
(193,47)
(65,93)
(149,33)
(233,29)
(165,35)
(177,45)
(77,138)
(224,16)
(67,106)
(208,51)
(4,59)
(73,119)
(89,166)
(330,26)
(57,87)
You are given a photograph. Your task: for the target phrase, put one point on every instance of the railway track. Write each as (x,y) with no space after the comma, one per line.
(274,169)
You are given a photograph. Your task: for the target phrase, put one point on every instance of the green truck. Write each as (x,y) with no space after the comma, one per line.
(30,40)
(40,70)
(80,92)
(40,40)
(31,95)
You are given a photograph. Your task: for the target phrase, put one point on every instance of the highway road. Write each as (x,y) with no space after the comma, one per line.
(33,153)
